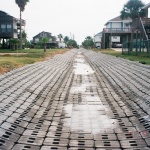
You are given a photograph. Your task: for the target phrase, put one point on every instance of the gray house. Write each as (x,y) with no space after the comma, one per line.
(116,31)
(97,40)
(9,26)
(52,39)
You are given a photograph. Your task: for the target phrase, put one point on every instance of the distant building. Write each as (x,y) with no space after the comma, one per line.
(61,44)
(97,40)
(9,26)
(117,30)
(52,40)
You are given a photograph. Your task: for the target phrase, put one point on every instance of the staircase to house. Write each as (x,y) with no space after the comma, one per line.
(143,25)
(146,24)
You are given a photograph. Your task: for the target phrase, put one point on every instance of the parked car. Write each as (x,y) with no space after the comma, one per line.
(116,45)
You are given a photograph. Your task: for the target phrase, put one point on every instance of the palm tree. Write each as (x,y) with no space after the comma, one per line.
(133,9)
(45,41)
(21,4)
(60,37)
(14,43)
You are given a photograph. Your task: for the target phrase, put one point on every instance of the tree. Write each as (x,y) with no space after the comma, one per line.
(66,39)
(60,36)
(14,43)
(21,4)
(24,38)
(133,9)
(45,41)
(88,42)
(72,44)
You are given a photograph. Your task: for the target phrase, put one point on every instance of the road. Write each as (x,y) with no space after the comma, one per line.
(80,100)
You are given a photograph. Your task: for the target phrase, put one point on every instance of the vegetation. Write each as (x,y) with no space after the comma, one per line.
(140,59)
(14,43)
(60,36)
(25,43)
(21,4)
(23,57)
(133,9)
(88,43)
(66,39)
(72,44)
(44,42)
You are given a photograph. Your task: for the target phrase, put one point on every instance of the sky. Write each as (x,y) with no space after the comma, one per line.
(78,18)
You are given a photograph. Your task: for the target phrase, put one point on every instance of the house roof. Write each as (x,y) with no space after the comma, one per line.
(48,33)
(118,19)
(2,13)
(98,34)
(146,6)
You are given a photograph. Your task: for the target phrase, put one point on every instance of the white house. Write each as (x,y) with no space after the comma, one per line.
(97,40)
(118,24)
(61,44)
(116,31)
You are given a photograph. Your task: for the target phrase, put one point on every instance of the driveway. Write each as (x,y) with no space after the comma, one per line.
(117,49)
(80,100)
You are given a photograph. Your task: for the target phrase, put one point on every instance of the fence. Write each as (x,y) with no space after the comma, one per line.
(136,48)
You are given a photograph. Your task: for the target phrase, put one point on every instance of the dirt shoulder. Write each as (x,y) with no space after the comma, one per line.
(10,61)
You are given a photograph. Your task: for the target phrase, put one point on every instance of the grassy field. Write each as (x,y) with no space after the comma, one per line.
(9,62)
(140,59)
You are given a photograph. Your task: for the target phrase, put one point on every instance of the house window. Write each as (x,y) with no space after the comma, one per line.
(9,27)
(3,27)
(36,40)
(114,37)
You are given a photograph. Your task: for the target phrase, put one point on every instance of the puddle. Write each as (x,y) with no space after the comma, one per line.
(88,115)
(81,67)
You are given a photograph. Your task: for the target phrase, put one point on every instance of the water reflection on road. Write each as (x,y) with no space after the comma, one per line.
(86,114)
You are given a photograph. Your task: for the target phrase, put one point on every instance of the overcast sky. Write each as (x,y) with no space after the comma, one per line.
(79,17)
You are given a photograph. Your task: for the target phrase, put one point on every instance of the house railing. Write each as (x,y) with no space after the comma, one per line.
(117,30)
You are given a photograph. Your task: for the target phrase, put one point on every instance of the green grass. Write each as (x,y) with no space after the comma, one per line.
(28,50)
(9,62)
(144,59)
